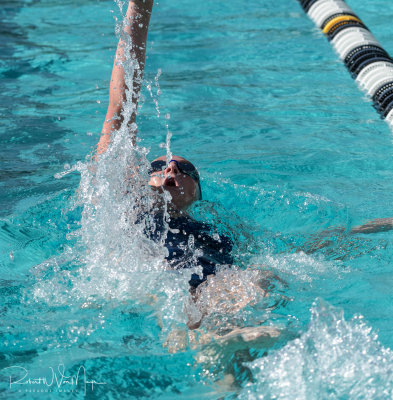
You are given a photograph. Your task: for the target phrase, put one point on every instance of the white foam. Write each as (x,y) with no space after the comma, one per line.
(334,358)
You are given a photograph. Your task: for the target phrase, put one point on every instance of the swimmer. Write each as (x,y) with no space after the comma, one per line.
(179,177)
(190,243)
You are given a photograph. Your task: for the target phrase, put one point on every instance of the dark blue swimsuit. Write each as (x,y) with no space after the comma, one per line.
(186,251)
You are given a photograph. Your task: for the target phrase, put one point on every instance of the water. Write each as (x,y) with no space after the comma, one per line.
(291,157)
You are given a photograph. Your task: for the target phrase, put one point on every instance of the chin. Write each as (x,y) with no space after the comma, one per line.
(180,204)
(178,201)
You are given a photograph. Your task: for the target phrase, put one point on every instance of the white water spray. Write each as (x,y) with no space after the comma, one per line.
(118,259)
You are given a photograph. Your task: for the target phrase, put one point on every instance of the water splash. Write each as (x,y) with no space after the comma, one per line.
(155,97)
(301,267)
(114,258)
(333,359)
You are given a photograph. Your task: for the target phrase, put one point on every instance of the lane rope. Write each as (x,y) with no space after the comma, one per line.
(366,60)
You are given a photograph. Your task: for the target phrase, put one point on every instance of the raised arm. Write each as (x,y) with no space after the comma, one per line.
(138,17)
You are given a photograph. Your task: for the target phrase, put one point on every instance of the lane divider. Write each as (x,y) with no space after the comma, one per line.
(366,60)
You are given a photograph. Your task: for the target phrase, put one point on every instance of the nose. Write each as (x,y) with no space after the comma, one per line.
(172,169)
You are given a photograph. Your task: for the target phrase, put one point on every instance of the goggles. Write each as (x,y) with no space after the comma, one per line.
(185,168)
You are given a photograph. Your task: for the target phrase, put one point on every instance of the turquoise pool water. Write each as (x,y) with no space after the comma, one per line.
(290,153)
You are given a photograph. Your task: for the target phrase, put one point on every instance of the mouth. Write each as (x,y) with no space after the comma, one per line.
(170,181)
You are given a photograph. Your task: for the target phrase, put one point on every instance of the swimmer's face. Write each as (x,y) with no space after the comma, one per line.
(183,189)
